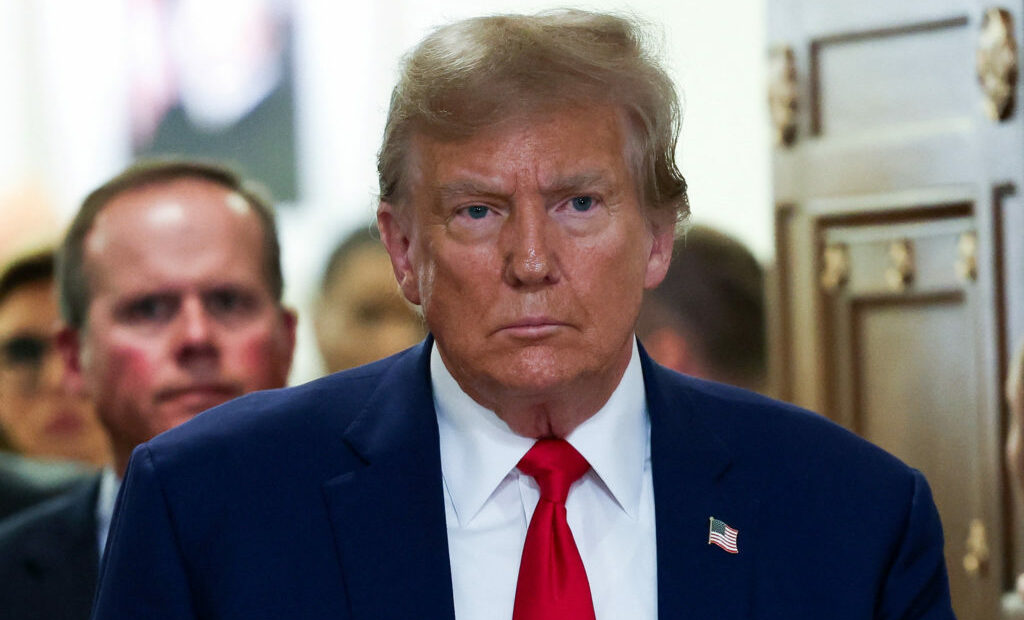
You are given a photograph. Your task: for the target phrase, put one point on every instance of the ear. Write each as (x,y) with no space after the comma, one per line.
(663,237)
(395,233)
(69,347)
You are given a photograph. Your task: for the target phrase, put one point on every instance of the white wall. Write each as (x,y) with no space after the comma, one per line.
(64,123)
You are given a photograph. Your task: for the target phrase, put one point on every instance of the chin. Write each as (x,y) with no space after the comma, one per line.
(538,371)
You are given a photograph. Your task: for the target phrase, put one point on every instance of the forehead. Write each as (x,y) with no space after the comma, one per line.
(31,305)
(543,148)
(363,263)
(180,228)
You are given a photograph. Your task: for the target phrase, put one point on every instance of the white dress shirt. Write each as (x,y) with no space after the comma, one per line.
(109,485)
(489,503)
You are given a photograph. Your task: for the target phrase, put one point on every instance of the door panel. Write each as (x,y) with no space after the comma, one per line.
(898,238)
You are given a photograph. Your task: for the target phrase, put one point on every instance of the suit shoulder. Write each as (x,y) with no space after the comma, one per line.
(781,433)
(47,522)
(278,433)
(325,405)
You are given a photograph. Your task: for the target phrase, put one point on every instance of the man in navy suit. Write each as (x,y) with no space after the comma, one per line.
(528,460)
(170,285)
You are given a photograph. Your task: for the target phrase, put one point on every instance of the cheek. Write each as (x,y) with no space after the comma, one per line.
(127,367)
(260,360)
(19,415)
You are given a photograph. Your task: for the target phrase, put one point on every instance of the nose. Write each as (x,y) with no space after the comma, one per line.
(51,373)
(197,334)
(529,247)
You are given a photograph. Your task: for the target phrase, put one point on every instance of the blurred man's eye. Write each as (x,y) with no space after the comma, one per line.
(26,351)
(150,309)
(369,313)
(228,302)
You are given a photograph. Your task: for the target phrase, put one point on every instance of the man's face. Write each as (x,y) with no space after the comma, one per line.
(529,251)
(41,418)
(362,317)
(181,317)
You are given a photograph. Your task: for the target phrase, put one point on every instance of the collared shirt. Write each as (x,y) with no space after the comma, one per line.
(489,502)
(109,485)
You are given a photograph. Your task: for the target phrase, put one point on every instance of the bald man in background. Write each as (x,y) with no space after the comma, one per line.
(170,286)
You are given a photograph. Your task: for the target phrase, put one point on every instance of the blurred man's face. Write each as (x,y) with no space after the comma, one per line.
(362,316)
(529,251)
(39,416)
(181,317)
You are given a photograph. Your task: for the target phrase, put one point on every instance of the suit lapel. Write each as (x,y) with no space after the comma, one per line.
(692,482)
(388,515)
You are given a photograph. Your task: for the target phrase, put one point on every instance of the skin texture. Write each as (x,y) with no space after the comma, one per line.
(39,416)
(361,316)
(181,318)
(529,251)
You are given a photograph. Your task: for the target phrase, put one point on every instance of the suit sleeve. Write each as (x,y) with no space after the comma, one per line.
(917,586)
(143,573)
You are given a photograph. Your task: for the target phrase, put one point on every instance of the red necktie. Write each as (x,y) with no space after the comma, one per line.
(552,581)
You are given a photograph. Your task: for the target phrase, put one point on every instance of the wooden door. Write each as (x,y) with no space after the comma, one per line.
(897,220)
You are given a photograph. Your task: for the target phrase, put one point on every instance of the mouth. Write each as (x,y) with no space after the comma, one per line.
(65,423)
(533,327)
(199,397)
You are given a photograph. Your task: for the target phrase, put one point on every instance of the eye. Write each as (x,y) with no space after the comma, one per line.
(477,212)
(369,313)
(24,351)
(582,203)
(228,301)
(149,309)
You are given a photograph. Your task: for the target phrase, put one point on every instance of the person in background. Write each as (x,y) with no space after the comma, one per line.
(39,417)
(707,317)
(360,315)
(527,460)
(49,438)
(170,286)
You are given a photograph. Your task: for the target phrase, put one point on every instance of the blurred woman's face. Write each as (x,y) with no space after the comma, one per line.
(39,416)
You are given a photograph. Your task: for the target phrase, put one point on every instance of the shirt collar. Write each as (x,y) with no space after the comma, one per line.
(109,485)
(478,449)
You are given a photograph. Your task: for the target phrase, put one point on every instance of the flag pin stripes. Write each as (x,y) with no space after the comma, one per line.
(722,535)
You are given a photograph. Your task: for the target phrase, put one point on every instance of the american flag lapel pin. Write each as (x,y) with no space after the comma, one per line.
(722,535)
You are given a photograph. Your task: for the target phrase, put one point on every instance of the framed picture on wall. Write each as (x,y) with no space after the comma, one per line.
(215,80)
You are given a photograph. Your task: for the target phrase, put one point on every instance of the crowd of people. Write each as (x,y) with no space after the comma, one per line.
(490,438)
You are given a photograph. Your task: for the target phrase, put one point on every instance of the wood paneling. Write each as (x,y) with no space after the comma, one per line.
(897,169)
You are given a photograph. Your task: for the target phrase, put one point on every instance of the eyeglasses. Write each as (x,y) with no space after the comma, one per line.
(24,352)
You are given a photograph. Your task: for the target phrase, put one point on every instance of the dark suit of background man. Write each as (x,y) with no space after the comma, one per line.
(528,197)
(170,284)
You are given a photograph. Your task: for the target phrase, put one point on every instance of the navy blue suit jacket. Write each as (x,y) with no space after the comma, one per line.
(325,501)
(49,556)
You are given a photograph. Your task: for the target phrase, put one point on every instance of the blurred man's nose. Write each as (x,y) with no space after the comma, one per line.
(51,371)
(197,334)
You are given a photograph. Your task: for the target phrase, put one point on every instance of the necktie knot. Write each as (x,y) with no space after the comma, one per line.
(555,465)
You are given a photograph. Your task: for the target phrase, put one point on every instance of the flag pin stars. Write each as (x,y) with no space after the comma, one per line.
(722,535)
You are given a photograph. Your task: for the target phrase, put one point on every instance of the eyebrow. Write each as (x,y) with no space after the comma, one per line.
(588,179)
(466,187)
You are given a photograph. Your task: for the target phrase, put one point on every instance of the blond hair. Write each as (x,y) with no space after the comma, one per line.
(473,73)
